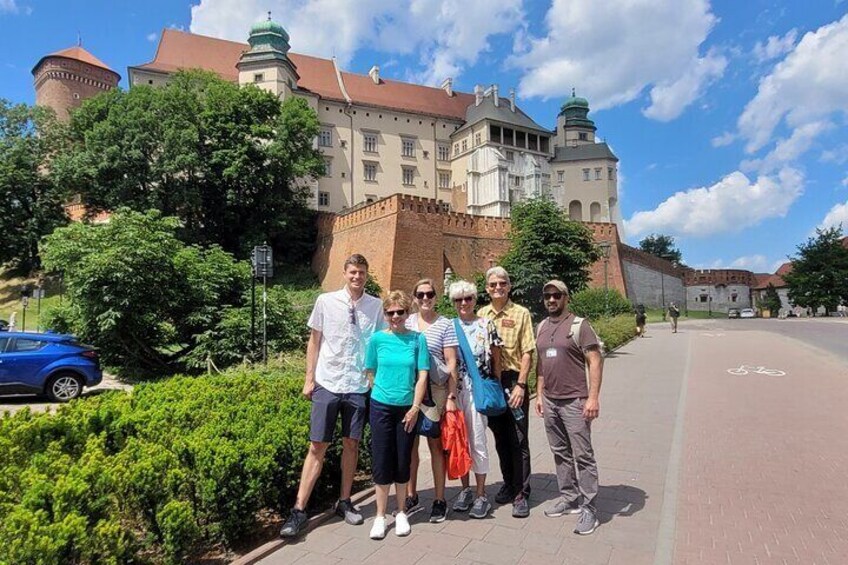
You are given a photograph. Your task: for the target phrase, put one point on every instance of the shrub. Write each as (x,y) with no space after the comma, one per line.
(155,474)
(594,303)
(615,332)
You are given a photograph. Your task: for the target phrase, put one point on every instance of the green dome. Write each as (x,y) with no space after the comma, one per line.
(269,26)
(575,102)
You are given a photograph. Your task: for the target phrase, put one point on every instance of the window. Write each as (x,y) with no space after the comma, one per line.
(3,342)
(455,149)
(259,77)
(408,147)
(369,198)
(444,179)
(325,137)
(598,173)
(370,142)
(323,199)
(443,152)
(583,136)
(510,155)
(408,176)
(560,176)
(733,297)
(610,173)
(328,167)
(585,174)
(370,171)
(703,298)
(23,345)
(516,180)
(464,145)
(478,139)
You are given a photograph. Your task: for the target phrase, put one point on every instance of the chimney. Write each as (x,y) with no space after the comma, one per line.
(495,94)
(478,94)
(374,73)
(512,99)
(447,86)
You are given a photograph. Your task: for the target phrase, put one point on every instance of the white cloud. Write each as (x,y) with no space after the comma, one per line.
(726,138)
(448,38)
(597,48)
(789,149)
(775,46)
(837,215)
(9,7)
(152,37)
(808,85)
(757,263)
(838,155)
(845,181)
(730,205)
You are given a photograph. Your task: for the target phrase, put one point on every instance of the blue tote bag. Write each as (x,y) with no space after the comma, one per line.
(488,394)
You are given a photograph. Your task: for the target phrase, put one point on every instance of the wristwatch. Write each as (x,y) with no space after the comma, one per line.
(522,386)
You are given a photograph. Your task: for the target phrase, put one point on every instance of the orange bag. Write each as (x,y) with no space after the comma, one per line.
(455,442)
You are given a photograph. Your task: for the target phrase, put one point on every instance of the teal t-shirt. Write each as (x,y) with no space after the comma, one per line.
(396,360)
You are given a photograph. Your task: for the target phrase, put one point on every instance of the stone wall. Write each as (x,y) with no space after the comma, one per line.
(63,84)
(650,280)
(717,290)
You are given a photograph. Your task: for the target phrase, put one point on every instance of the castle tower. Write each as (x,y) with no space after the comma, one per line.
(266,64)
(573,124)
(65,78)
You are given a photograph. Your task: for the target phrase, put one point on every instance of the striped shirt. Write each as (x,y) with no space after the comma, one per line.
(439,335)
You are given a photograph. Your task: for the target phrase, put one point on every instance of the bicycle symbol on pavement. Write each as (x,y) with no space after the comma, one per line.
(748,369)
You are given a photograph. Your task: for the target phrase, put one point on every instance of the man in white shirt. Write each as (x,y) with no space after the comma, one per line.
(342,322)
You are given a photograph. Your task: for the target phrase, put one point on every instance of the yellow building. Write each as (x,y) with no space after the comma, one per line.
(474,152)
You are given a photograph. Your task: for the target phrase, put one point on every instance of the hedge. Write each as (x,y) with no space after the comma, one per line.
(616,331)
(155,475)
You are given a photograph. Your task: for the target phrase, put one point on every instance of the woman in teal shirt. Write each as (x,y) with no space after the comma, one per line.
(397,365)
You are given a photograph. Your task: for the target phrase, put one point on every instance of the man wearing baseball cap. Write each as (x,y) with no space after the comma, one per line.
(566,345)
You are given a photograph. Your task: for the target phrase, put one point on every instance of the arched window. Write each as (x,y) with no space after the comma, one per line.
(595,212)
(575,210)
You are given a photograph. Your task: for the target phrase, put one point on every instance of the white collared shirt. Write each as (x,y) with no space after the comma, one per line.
(341,353)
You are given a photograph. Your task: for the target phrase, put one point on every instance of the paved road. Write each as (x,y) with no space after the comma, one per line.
(697,465)
(40,404)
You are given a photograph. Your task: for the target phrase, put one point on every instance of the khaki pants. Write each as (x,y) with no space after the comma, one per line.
(570,438)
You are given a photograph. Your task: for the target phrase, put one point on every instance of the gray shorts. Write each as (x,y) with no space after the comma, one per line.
(326,407)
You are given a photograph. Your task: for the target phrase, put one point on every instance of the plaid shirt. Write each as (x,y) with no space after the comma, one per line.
(515,328)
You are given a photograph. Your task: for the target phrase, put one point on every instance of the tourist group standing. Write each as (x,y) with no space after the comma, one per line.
(411,372)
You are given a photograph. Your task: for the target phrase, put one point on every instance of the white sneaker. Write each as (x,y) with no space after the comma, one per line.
(378,530)
(402,527)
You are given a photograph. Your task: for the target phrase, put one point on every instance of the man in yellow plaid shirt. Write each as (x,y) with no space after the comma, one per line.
(515,327)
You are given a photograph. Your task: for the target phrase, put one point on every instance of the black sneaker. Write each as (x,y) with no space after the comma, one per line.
(410,504)
(297,520)
(346,510)
(439,511)
(504,495)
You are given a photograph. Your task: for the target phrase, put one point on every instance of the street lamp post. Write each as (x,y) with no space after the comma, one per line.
(606,248)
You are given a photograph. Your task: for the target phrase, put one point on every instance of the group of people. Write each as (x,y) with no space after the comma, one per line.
(672,313)
(404,368)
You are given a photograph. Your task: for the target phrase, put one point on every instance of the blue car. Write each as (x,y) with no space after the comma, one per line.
(54,365)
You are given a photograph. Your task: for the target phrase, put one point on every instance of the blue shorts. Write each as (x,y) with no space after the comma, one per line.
(391,445)
(326,407)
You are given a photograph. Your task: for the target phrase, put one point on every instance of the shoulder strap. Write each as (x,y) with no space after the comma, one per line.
(540,326)
(575,329)
(465,351)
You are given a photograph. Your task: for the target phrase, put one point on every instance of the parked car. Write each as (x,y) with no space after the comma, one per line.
(55,365)
(747,313)
(733,313)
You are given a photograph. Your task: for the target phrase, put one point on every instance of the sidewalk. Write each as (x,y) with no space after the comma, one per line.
(633,440)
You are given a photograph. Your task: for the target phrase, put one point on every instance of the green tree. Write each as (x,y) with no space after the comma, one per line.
(228,161)
(661,246)
(136,291)
(819,274)
(544,244)
(30,202)
(771,300)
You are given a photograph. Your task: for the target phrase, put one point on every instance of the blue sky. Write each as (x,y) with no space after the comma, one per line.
(728,117)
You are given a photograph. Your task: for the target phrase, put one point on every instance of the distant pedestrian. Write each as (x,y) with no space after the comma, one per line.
(673,314)
(566,346)
(341,324)
(515,328)
(397,363)
(641,319)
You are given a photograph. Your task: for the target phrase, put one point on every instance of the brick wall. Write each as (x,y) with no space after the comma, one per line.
(62,84)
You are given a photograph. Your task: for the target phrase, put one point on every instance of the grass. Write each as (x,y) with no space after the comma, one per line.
(10,300)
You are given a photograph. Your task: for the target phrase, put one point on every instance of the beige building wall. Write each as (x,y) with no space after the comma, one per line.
(600,192)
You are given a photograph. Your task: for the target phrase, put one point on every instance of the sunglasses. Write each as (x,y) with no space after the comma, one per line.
(393,313)
(464,299)
(428,294)
(554,295)
(352,313)
(496,284)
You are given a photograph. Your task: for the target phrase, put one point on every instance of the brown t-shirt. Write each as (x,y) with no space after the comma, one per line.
(561,362)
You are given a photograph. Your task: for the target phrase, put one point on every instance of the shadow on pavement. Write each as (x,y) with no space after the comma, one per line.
(619,501)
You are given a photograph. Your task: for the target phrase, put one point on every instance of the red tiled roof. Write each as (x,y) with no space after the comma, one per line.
(784,269)
(182,50)
(77,53)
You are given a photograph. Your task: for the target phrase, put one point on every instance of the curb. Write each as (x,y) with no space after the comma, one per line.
(270,547)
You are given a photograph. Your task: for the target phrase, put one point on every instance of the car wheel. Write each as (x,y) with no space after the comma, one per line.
(64,387)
